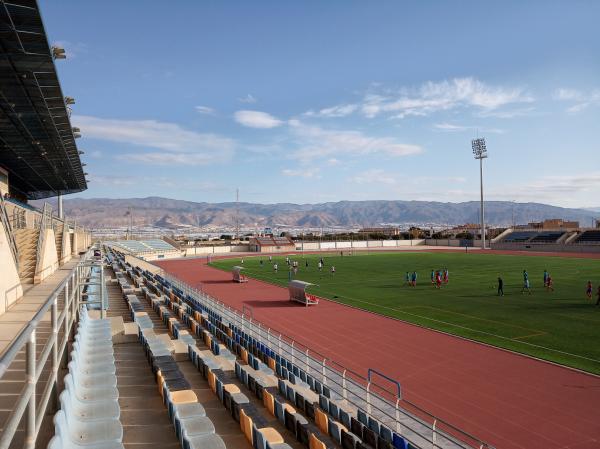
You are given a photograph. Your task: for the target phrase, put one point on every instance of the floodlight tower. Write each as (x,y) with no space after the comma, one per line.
(480,152)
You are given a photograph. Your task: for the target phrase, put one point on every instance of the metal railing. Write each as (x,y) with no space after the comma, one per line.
(63,305)
(421,428)
(9,231)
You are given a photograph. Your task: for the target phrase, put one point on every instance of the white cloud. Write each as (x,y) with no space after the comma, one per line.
(449,127)
(374,176)
(176,142)
(581,100)
(115,181)
(205,110)
(96,154)
(315,142)
(247,99)
(302,172)
(256,119)
(167,158)
(335,111)
(430,97)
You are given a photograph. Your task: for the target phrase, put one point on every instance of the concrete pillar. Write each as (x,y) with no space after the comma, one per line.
(60,207)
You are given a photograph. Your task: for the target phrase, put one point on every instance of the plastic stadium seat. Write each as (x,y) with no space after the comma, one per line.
(84,410)
(58,443)
(85,434)
(90,378)
(91,394)
(212,441)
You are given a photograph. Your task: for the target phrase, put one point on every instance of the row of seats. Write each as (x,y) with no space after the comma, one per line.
(217,367)
(547,237)
(520,236)
(192,427)
(589,237)
(356,427)
(90,412)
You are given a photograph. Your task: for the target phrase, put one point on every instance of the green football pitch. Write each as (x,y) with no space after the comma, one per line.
(562,326)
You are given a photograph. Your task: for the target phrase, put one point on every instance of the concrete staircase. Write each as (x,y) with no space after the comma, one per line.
(27,240)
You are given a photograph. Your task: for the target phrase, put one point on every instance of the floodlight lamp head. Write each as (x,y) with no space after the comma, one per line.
(479,148)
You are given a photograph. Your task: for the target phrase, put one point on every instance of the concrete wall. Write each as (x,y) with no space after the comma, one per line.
(10,285)
(144,265)
(547,247)
(66,246)
(205,250)
(74,243)
(48,260)
(360,244)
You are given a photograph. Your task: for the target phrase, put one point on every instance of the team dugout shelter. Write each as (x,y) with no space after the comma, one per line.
(299,294)
(238,276)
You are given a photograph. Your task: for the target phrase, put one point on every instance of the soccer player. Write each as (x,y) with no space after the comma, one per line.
(260,262)
(438,279)
(446,274)
(500,286)
(526,285)
(275,267)
(332,270)
(270,259)
(320,265)
(407,279)
(598,300)
(546,278)
(306,263)
(433,278)
(588,290)
(414,278)
(549,283)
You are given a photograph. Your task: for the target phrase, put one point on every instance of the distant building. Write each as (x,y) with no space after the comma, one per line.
(386,230)
(554,224)
(271,244)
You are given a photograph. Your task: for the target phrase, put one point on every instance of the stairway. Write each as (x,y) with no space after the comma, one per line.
(58,235)
(27,240)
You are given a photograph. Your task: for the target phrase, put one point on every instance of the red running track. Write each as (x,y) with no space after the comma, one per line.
(508,400)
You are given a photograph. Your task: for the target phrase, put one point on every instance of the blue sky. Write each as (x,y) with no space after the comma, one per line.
(341,100)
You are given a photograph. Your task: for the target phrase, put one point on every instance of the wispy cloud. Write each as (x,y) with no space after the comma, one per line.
(97,154)
(449,127)
(335,111)
(428,98)
(302,172)
(374,176)
(314,142)
(115,181)
(256,119)
(178,145)
(205,110)
(579,100)
(166,158)
(249,99)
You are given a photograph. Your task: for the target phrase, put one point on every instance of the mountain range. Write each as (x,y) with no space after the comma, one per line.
(170,213)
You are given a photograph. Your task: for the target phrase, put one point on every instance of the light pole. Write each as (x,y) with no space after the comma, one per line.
(480,152)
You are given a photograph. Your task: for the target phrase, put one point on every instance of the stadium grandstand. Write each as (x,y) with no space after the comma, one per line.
(146,249)
(549,235)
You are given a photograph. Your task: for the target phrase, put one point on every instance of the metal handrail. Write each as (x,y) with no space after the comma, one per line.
(30,406)
(9,232)
(312,360)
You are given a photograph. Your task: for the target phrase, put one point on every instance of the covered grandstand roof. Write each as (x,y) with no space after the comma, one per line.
(37,142)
